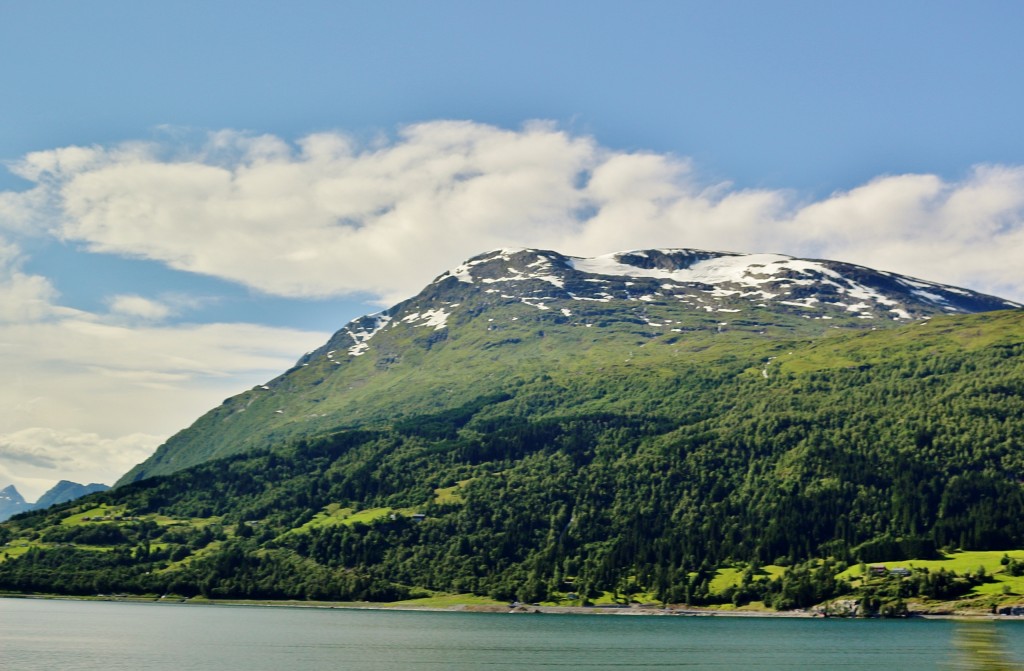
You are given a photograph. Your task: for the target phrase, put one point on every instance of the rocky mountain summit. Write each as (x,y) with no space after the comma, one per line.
(712,282)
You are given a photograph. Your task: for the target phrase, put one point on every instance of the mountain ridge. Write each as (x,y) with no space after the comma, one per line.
(12,502)
(522,301)
(523,454)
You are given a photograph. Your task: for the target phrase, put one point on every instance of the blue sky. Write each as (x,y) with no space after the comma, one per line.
(196,193)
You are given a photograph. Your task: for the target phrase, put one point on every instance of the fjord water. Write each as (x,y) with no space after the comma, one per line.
(76,635)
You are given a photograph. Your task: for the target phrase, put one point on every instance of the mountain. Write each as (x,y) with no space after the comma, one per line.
(65,490)
(11,502)
(673,426)
(503,318)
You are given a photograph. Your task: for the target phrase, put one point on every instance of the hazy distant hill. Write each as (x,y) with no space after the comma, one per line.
(12,502)
(65,490)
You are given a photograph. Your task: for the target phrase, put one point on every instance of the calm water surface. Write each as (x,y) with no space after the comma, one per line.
(39,634)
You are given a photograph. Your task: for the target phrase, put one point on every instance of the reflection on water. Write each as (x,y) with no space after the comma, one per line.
(982,648)
(121,636)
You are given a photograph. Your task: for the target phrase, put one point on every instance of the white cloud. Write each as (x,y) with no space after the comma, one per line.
(968,233)
(115,386)
(137,306)
(87,374)
(27,211)
(54,164)
(23,297)
(35,459)
(86,396)
(330,216)
(320,219)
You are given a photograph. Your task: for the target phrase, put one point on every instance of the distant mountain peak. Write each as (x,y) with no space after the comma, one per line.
(65,490)
(11,493)
(12,502)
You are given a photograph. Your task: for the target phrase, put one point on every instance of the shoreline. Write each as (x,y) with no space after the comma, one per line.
(497,609)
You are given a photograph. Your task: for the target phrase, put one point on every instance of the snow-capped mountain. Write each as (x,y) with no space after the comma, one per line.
(712,282)
(502,318)
(11,502)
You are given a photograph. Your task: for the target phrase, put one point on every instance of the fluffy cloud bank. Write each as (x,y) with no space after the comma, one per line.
(88,395)
(86,398)
(328,215)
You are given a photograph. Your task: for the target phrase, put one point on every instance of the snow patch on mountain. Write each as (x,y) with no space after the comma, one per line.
(361,336)
(707,281)
(724,275)
(464,272)
(534,303)
(520,276)
(929,296)
(746,270)
(601,298)
(437,318)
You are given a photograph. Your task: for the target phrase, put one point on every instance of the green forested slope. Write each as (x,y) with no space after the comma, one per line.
(627,468)
(632,332)
(544,360)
